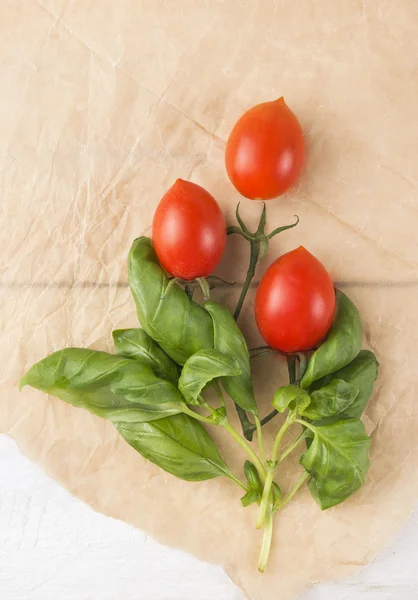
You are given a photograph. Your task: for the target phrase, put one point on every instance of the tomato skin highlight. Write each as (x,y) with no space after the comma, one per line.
(265,151)
(188,231)
(295,302)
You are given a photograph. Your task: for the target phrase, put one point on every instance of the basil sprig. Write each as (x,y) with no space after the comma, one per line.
(156,391)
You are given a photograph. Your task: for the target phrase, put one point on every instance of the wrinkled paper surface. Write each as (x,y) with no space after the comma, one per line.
(103,105)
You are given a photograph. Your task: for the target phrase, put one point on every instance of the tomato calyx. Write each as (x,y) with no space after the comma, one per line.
(259,236)
(206,284)
(189,286)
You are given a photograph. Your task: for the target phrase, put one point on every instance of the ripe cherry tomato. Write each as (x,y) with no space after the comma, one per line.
(295,302)
(188,231)
(265,151)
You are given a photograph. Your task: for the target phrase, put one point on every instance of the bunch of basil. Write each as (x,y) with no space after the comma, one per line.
(151,387)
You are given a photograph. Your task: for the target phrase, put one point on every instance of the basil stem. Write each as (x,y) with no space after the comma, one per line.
(225,424)
(292,446)
(254,254)
(241,441)
(273,462)
(266,510)
(267,538)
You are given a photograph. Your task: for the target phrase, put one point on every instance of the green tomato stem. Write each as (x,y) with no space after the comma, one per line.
(291,367)
(269,417)
(254,254)
(303,365)
(293,491)
(247,427)
(267,539)
(258,247)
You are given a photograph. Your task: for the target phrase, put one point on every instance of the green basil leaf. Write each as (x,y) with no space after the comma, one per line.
(342,344)
(250,497)
(337,460)
(332,399)
(291,397)
(110,386)
(137,344)
(362,373)
(252,476)
(203,367)
(255,492)
(230,341)
(178,444)
(180,326)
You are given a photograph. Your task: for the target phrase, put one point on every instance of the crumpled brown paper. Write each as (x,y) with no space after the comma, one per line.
(103,105)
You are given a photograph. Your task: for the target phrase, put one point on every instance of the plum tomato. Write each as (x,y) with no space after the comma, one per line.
(265,151)
(188,231)
(295,302)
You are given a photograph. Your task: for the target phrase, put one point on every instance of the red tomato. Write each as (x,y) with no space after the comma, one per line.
(295,302)
(188,231)
(265,151)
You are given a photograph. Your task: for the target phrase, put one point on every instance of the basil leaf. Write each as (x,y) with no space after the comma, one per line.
(250,497)
(291,397)
(201,368)
(136,343)
(342,344)
(252,476)
(180,326)
(110,386)
(255,491)
(332,399)
(178,444)
(230,341)
(337,460)
(362,373)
